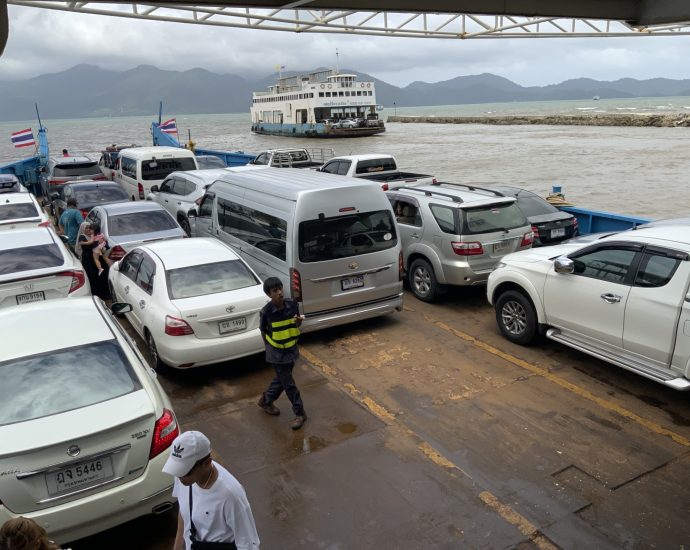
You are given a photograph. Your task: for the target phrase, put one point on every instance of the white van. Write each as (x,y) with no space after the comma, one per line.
(139,168)
(332,240)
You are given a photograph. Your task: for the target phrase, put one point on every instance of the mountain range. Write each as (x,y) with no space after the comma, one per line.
(90,91)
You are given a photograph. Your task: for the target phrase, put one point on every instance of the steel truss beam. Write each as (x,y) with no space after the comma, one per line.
(299,18)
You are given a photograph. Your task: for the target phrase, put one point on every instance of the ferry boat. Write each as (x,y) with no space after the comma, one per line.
(325,104)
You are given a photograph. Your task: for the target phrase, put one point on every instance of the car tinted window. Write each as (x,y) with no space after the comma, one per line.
(77,169)
(63,380)
(210,162)
(375,165)
(15,260)
(259,229)
(189,187)
(98,195)
(135,223)
(261,159)
(495,217)
(166,186)
(144,278)
(606,264)
(206,207)
(17,211)
(345,236)
(331,167)
(532,205)
(129,167)
(656,270)
(200,280)
(445,218)
(164,167)
(130,264)
(344,167)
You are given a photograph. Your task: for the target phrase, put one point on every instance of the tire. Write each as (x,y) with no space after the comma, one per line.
(423,282)
(158,365)
(516,317)
(184,224)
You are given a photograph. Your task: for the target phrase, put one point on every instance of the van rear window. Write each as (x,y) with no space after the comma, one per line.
(76,169)
(345,236)
(162,168)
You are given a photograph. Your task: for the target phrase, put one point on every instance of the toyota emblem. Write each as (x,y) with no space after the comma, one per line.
(230,309)
(73,450)
(353,265)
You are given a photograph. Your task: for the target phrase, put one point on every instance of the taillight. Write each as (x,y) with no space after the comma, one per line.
(434,181)
(141,191)
(44,224)
(295,285)
(401,267)
(384,187)
(56,182)
(84,212)
(78,279)
(535,230)
(467,249)
(116,253)
(527,239)
(177,327)
(164,433)
(101,177)
(199,200)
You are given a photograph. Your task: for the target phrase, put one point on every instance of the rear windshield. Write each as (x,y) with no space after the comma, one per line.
(489,219)
(345,236)
(15,260)
(372,166)
(533,205)
(199,280)
(162,168)
(76,169)
(136,223)
(17,211)
(102,194)
(64,380)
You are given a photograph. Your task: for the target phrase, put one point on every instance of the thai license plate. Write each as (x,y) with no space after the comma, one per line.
(79,475)
(232,325)
(501,247)
(560,232)
(352,282)
(30,297)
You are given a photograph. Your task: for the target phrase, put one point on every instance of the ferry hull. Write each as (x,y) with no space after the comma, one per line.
(314,130)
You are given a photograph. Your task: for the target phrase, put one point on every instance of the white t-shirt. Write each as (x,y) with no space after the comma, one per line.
(221,513)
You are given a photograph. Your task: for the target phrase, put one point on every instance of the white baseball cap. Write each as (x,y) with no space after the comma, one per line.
(186,450)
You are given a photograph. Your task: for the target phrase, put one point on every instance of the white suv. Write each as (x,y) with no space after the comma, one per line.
(623,299)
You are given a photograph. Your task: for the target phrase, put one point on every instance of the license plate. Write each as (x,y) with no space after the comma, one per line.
(232,325)
(560,232)
(501,247)
(79,475)
(30,297)
(352,282)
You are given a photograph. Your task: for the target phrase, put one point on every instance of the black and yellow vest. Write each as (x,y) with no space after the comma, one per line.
(284,334)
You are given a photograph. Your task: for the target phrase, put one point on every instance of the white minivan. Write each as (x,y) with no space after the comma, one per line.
(139,168)
(332,240)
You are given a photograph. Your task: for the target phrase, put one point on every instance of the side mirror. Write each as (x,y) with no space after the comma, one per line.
(563,264)
(192,213)
(154,189)
(118,308)
(55,196)
(63,238)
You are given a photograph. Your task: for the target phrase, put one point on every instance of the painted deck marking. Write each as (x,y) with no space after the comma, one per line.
(544,373)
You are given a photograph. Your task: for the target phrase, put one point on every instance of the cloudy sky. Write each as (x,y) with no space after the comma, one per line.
(44,41)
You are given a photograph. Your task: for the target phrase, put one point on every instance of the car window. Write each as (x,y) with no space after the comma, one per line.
(162,168)
(63,380)
(145,275)
(189,187)
(200,280)
(17,211)
(261,159)
(491,218)
(77,169)
(606,264)
(257,228)
(655,270)
(344,167)
(166,186)
(406,212)
(130,264)
(331,167)
(99,194)
(206,206)
(445,218)
(135,223)
(27,258)
(375,165)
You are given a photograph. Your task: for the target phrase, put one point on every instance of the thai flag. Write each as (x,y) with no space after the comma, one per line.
(169,126)
(24,138)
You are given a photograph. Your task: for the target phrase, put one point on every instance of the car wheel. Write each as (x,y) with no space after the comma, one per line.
(158,365)
(184,224)
(516,317)
(423,281)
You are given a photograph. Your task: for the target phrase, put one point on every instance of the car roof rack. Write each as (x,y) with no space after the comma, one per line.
(428,193)
(471,187)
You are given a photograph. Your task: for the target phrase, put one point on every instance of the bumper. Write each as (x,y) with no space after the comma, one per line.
(182,350)
(77,519)
(462,274)
(320,321)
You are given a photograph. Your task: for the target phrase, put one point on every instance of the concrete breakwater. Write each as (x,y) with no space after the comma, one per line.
(642,119)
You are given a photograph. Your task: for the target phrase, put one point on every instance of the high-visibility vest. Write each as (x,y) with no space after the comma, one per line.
(284,334)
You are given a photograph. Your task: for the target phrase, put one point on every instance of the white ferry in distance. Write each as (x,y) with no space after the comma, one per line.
(324,104)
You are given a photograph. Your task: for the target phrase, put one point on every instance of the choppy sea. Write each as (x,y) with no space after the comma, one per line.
(637,171)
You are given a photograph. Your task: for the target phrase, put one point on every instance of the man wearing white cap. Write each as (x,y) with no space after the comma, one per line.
(213,504)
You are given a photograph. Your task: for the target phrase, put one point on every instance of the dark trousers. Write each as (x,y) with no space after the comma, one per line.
(283,380)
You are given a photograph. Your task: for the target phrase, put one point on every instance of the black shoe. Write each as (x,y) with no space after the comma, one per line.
(269,408)
(298,422)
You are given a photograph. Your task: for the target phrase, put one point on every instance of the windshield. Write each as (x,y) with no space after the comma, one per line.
(199,280)
(136,223)
(29,258)
(491,218)
(63,380)
(345,236)
(99,195)
(17,211)
(162,168)
(74,169)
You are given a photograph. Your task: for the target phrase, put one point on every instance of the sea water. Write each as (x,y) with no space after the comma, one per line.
(636,171)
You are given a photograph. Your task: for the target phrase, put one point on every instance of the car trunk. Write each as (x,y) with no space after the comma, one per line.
(222,314)
(129,242)
(63,457)
(495,246)
(553,227)
(35,289)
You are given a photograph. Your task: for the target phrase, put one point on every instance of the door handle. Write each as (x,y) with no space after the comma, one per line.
(166,200)
(610,298)
(179,203)
(142,304)
(127,289)
(414,236)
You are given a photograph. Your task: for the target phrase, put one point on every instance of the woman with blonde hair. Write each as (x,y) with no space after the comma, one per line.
(24,534)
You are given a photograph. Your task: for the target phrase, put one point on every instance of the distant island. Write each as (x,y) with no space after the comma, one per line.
(90,91)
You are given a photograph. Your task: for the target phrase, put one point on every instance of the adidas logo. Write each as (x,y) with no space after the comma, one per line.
(177,451)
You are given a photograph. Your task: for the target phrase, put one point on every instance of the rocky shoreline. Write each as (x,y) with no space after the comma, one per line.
(646,119)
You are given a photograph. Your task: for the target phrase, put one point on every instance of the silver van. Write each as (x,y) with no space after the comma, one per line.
(331,240)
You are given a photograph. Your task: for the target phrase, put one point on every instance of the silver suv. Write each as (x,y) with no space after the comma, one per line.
(455,234)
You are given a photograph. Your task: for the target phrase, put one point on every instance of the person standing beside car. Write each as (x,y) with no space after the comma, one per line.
(69,222)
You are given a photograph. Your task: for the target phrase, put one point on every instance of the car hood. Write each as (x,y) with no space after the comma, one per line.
(540,254)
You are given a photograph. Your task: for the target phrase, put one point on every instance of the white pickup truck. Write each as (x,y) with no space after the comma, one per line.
(380,168)
(293,158)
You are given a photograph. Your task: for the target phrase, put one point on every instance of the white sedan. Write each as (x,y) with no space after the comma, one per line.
(195,301)
(84,424)
(35,265)
(21,210)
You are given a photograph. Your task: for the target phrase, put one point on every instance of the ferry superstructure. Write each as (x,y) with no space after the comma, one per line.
(323,104)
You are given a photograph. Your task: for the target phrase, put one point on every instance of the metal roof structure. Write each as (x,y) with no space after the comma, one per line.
(441,19)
